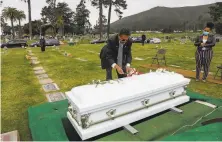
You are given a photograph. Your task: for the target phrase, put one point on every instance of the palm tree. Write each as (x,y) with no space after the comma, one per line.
(30,17)
(60,24)
(10,13)
(20,16)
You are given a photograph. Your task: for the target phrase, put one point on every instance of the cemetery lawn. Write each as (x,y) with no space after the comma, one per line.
(21,89)
(68,72)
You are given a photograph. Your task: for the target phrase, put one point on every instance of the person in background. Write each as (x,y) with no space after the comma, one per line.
(143,39)
(117,54)
(42,43)
(204,52)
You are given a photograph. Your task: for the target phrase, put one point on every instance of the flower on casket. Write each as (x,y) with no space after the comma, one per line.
(133,72)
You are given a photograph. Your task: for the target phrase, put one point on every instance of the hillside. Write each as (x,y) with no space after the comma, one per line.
(192,17)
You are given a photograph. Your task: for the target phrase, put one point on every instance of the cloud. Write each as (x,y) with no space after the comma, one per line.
(134,6)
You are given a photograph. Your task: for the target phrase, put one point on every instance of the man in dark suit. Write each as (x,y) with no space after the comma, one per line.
(42,43)
(143,39)
(117,54)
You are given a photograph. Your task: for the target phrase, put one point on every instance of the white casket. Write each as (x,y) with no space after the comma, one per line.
(98,108)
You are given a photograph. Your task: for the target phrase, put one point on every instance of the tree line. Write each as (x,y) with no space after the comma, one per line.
(60,18)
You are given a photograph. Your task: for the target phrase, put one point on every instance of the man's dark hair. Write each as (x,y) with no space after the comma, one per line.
(124,31)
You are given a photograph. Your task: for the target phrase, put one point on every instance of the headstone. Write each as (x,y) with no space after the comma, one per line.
(10,136)
(54,97)
(80,59)
(45,81)
(40,72)
(50,87)
(37,68)
(42,76)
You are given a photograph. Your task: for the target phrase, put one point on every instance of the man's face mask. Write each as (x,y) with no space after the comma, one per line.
(123,39)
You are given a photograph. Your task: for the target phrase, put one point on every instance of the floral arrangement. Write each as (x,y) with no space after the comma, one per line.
(133,72)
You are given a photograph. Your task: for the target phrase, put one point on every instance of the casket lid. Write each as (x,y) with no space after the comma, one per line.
(90,97)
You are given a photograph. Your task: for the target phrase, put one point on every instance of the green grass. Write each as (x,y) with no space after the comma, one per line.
(68,72)
(20,88)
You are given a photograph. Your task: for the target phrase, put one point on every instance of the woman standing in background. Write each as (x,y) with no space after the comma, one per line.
(204,52)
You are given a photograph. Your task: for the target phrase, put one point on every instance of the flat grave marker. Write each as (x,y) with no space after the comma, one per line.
(175,66)
(35,62)
(139,59)
(42,76)
(33,58)
(45,81)
(54,97)
(40,72)
(50,87)
(80,59)
(31,54)
(37,68)
(10,136)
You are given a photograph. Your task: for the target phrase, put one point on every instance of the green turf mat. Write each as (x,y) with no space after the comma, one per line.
(48,122)
(211,132)
(45,121)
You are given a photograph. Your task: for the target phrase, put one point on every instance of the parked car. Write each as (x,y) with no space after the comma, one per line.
(136,39)
(48,42)
(98,41)
(155,40)
(14,43)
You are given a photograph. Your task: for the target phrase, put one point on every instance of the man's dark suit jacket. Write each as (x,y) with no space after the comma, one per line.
(109,52)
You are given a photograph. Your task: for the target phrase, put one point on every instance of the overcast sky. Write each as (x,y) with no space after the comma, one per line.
(134,6)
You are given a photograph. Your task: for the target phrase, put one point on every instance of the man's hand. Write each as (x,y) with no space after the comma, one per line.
(119,70)
(128,69)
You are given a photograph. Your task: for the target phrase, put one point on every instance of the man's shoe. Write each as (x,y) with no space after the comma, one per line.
(197,80)
(204,80)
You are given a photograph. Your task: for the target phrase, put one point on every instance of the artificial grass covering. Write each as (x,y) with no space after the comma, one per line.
(48,122)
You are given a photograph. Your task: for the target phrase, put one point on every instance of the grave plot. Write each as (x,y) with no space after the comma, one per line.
(39,72)
(37,68)
(33,58)
(45,81)
(54,97)
(10,136)
(50,87)
(35,62)
(42,76)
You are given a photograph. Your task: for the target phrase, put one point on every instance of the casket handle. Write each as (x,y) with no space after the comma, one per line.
(172,93)
(85,121)
(146,102)
(111,113)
